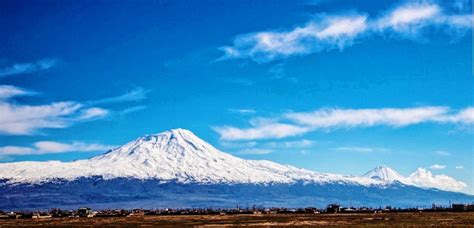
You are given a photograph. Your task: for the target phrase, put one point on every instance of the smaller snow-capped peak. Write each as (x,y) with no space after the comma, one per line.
(384,173)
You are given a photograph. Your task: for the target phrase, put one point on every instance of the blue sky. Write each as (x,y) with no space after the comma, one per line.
(331,86)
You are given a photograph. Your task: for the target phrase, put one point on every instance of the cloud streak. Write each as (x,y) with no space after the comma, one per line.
(51,147)
(255,151)
(243,111)
(328,32)
(8,91)
(359,149)
(136,94)
(326,119)
(437,167)
(27,119)
(26,68)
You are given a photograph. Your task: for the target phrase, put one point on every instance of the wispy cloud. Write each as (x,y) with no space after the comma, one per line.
(132,110)
(437,167)
(328,32)
(332,117)
(409,17)
(50,147)
(25,68)
(8,91)
(27,119)
(292,144)
(442,153)
(251,147)
(459,167)
(91,113)
(257,151)
(298,123)
(136,94)
(333,32)
(242,111)
(260,131)
(412,19)
(359,149)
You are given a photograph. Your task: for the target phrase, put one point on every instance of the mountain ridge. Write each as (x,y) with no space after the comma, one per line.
(180,156)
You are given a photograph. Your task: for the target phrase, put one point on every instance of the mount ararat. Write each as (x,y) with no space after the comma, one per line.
(177,169)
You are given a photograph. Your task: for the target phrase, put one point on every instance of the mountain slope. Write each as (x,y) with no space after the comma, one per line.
(175,155)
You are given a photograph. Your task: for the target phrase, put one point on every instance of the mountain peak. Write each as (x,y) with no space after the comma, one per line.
(170,145)
(384,173)
(172,134)
(178,132)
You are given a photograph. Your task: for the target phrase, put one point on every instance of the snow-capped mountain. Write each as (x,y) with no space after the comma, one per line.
(180,156)
(175,155)
(176,168)
(421,178)
(384,173)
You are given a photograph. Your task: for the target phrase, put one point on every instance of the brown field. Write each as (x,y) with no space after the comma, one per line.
(465,219)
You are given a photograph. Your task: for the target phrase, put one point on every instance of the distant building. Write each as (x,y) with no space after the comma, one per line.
(470,207)
(459,207)
(41,215)
(85,212)
(333,208)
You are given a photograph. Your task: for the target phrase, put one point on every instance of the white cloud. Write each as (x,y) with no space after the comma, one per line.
(242,111)
(425,178)
(465,116)
(49,147)
(359,149)
(93,112)
(328,32)
(260,131)
(437,167)
(16,150)
(228,144)
(411,19)
(27,119)
(343,27)
(24,119)
(8,91)
(303,143)
(330,117)
(333,32)
(132,109)
(255,151)
(56,147)
(412,14)
(442,153)
(136,94)
(298,123)
(24,68)
(459,167)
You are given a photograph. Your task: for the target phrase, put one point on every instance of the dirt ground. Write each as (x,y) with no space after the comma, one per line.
(365,220)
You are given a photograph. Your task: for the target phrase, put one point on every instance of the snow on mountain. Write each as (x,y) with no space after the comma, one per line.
(421,178)
(384,173)
(178,155)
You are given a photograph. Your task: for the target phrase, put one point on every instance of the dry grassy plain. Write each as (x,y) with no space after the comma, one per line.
(373,220)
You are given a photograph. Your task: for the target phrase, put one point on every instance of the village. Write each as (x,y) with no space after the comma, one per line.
(86,212)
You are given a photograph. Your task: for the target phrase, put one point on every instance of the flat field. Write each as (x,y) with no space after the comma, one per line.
(465,219)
